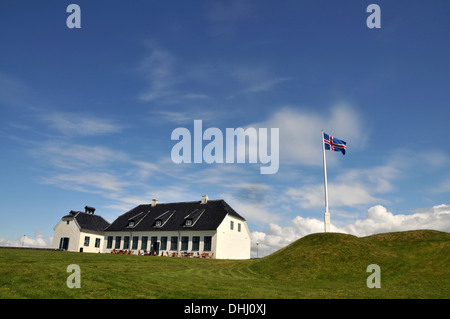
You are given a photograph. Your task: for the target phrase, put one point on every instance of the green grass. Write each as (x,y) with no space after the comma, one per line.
(413,264)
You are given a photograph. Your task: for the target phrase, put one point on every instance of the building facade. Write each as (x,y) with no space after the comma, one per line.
(80,231)
(206,228)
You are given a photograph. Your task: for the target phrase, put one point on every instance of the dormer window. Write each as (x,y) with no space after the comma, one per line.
(162,219)
(131,223)
(191,219)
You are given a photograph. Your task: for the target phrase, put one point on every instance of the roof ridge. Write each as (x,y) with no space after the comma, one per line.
(185,202)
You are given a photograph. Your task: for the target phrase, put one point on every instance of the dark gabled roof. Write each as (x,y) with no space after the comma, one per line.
(173,216)
(88,221)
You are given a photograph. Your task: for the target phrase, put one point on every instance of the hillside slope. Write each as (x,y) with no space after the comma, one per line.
(412,261)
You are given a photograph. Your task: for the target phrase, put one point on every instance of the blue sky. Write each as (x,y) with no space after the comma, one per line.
(87,114)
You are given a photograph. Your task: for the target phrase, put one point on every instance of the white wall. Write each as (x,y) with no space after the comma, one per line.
(232,243)
(92,238)
(67,227)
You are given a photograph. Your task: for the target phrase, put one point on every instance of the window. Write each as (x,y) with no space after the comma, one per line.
(68,222)
(239,227)
(163,243)
(118,239)
(126,242)
(188,222)
(144,243)
(207,243)
(97,242)
(184,242)
(109,244)
(131,223)
(86,241)
(231,225)
(135,242)
(158,223)
(174,243)
(195,243)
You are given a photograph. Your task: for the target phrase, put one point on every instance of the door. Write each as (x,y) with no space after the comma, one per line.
(156,247)
(64,243)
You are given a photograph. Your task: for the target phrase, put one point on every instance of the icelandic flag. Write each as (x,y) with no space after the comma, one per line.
(334,144)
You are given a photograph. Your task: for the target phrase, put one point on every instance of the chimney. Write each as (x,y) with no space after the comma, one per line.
(88,209)
(204,199)
(154,202)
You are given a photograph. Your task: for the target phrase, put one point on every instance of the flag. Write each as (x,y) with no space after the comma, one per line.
(334,144)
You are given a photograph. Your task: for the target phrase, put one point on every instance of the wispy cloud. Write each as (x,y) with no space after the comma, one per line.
(300,131)
(92,182)
(265,85)
(71,156)
(224,16)
(92,169)
(352,188)
(183,117)
(169,78)
(256,79)
(78,124)
(158,67)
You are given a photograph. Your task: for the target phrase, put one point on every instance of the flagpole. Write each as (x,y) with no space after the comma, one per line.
(327,214)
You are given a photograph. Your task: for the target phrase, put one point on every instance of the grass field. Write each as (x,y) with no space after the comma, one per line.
(413,264)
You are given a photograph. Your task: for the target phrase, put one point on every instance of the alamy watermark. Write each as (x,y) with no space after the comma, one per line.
(73,21)
(74,280)
(374,280)
(239,143)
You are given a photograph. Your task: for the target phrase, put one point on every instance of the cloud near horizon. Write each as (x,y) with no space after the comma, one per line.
(378,220)
(39,241)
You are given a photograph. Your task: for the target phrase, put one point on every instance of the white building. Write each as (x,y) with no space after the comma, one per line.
(80,231)
(206,228)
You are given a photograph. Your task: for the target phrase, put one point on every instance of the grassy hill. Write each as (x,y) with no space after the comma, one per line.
(413,264)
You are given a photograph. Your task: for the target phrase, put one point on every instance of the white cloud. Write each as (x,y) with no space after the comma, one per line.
(378,220)
(158,67)
(85,168)
(39,241)
(92,182)
(300,131)
(256,213)
(277,237)
(353,187)
(339,195)
(256,79)
(169,78)
(76,156)
(76,124)
(145,169)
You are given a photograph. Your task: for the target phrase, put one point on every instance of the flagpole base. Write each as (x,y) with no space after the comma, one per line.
(327,222)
